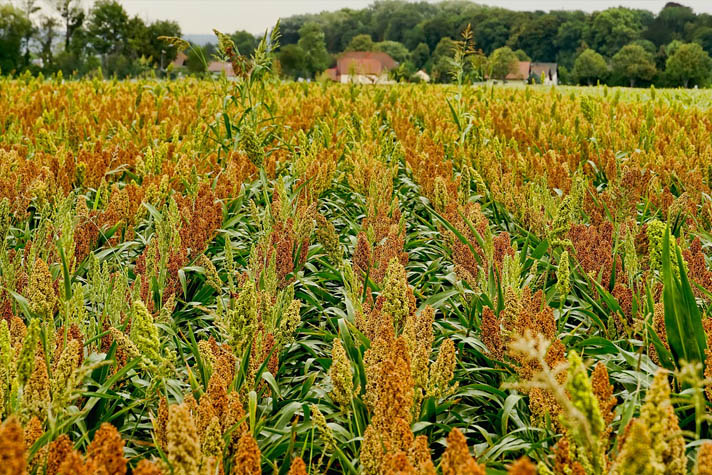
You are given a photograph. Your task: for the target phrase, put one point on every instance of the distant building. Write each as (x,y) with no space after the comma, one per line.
(362,67)
(214,67)
(521,73)
(421,76)
(532,73)
(219,67)
(544,73)
(180,60)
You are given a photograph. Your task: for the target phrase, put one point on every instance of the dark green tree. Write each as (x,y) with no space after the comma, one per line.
(633,64)
(14,27)
(30,8)
(538,37)
(47,33)
(292,60)
(492,33)
(394,49)
(108,27)
(442,60)
(138,39)
(589,68)
(614,28)
(362,42)
(569,40)
(688,65)
(157,49)
(311,41)
(245,42)
(670,24)
(79,58)
(197,59)
(420,55)
(522,55)
(501,62)
(437,28)
(703,37)
(72,15)
(401,24)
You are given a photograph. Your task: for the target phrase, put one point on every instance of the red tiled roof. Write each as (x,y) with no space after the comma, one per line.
(548,69)
(521,72)
(364,62)
(180,59)
(332,74)
(219,67)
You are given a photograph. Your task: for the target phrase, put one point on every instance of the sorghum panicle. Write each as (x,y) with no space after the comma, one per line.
(457,459)
(144,335)
(703,465)
(523,466)
(298,467)
(12,447)
(59,449)
(396,301)
(341,376)
(106,450)
(248,457)
(40,290)
(442,371)
(36,393)
(182,441)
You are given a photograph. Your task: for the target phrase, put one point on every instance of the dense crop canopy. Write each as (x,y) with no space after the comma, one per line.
(217,277)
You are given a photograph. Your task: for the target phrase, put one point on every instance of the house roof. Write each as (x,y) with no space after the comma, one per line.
(331,74)
(521,72)
(422,75)
(364,62)
(537,69)
(180,59)
(220,66)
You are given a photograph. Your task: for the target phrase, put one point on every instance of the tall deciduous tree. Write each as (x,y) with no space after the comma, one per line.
(72,15)
(688,65)
(14,27)
(394,49)
(47,33)
(502,61)
(589,67)
(613,28)
(292,60)
(634,64)
(420,55)
(30,8)
(442,59)
(157,49)
(538,37)
(245,42)
(197,59)
(108,27)
(361,42)
(703,36)
(311,41)
(669,24)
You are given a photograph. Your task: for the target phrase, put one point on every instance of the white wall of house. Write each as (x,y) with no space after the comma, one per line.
(364,79)
(553,81)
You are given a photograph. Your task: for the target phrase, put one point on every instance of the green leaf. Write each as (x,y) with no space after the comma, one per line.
(683,323)
(65,274)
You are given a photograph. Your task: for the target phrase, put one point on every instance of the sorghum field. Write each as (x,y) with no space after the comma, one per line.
(207,277)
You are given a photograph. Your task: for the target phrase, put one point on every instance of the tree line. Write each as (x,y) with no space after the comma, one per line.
(616,46)
(61,35)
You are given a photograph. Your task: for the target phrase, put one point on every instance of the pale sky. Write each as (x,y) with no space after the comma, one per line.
(201,16)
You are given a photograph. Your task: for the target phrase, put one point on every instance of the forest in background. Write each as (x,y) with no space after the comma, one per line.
(616,46)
